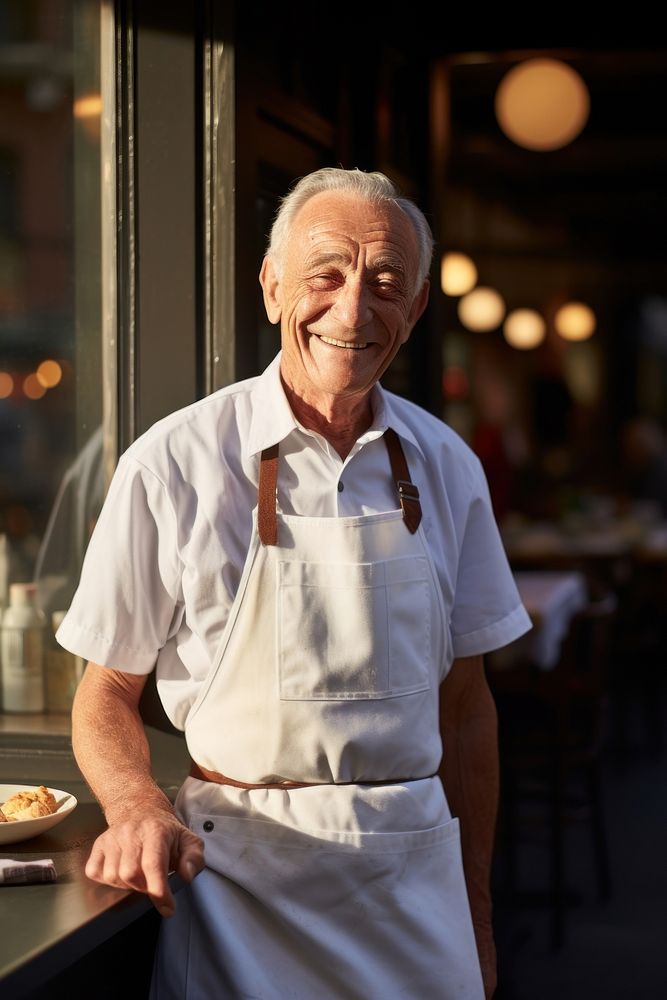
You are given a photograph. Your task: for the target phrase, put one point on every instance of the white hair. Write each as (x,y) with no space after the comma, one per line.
(373,186)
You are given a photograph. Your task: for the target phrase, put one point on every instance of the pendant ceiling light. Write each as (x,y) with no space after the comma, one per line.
(524,329)
(575,321)
(458,274)
(482,309)
(542,104)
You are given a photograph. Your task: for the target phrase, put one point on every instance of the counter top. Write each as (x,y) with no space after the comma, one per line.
(50,925)
(46,927)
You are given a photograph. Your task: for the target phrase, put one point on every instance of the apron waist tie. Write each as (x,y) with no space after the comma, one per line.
(203,774)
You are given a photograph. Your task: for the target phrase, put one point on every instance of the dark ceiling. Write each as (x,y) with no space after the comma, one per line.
(600,200)
(602,195)
(606,189)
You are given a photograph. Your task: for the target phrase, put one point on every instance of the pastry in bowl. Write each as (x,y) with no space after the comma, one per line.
(29,805)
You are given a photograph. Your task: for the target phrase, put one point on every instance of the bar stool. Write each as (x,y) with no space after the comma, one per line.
(552,730)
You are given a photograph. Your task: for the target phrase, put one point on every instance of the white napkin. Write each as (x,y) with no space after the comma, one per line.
(22,872)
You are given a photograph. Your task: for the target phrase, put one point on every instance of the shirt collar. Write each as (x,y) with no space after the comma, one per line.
(386,414)
(272,418)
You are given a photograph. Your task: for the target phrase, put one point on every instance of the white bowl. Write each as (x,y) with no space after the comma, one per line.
(24,829)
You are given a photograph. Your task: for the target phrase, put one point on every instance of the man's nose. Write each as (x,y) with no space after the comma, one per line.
(352,305)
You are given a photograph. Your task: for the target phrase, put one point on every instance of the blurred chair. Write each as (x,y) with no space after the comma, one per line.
(552,729)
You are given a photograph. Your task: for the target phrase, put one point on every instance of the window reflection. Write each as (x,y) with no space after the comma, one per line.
(50,294)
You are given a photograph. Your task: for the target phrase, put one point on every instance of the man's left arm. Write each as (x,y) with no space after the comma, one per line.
(470,775)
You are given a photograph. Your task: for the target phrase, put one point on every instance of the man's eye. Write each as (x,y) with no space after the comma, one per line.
(325,280)
(387,285)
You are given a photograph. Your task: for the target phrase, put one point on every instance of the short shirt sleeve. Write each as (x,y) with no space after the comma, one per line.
(487,611)
(127,600)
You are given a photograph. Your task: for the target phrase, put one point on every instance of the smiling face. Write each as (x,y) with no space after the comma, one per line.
(345,299)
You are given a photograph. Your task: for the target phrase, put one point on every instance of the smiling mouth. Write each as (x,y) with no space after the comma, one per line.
(349,345)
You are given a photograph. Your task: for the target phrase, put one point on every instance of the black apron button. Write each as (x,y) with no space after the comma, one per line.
(208,826)
(340,487)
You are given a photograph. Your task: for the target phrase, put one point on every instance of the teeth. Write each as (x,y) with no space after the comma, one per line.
(343,343)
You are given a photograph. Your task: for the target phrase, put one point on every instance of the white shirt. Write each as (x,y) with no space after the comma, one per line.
(167,553)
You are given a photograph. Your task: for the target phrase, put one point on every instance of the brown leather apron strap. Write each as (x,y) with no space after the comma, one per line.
(204,774)
(408,494)
(267,522)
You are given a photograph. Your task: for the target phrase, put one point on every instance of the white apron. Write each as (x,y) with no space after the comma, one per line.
(349,887)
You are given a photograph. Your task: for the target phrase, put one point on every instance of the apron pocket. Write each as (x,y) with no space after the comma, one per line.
(354,631)
(351,914)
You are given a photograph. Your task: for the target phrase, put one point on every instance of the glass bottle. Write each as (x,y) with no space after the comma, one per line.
(22,645)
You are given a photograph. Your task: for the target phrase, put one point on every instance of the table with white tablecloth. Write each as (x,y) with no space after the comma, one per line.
(551,599)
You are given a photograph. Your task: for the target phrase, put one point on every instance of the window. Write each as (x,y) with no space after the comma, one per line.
(51,299)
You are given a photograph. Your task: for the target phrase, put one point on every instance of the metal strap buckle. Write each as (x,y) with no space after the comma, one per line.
(407,490)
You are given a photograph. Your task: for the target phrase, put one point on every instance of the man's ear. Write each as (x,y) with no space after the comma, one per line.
(271,289)
(420,302)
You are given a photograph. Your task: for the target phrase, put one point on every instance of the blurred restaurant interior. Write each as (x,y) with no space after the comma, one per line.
(143,149)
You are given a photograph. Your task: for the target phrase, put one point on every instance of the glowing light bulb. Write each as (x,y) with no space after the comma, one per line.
(524,329)
(542,104)
(575,321)
(458,274)
(482,309)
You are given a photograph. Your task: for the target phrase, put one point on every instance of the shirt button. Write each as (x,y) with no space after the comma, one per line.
(341,487)
(208,826)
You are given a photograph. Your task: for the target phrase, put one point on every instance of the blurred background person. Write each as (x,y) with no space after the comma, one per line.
(643,447)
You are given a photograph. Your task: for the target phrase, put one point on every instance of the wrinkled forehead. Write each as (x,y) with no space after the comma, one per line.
(341,217)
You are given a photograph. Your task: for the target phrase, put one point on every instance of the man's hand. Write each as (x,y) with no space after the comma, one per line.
(145,839)
(139,853)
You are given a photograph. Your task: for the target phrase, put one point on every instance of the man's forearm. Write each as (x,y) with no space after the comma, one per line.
(110,744)
(470,775)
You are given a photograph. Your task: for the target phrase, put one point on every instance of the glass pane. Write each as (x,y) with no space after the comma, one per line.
(51,471)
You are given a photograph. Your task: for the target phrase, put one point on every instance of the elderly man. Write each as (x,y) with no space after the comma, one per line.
(311,565)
